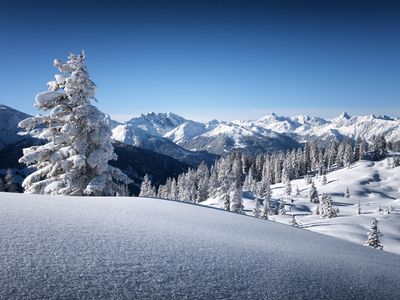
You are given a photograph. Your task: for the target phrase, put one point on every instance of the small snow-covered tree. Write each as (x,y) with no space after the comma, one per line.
(297,193)
(347,193)
(373,236)
(281,208)
(327,207)
(313,195)
(288,188)
(145,187)
(324,180)
(227,202)
(256,210)
(307,179)
(266,210)
(9,182)
(294,221)
(74,161)
(236,199)
(316,210)
(359,208)
(379,209)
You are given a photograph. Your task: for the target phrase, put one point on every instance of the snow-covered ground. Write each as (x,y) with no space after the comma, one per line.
(136,248)
(372,184)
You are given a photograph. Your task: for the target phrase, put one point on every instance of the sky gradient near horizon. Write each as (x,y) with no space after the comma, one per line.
(210,59)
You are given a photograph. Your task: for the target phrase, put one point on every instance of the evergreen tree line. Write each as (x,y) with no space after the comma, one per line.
(237,171)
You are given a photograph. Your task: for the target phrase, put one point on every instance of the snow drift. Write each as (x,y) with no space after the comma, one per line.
(74,247)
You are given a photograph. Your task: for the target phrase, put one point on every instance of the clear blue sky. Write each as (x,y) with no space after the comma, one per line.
(210,59)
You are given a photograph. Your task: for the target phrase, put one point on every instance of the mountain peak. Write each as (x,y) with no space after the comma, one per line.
(344,115)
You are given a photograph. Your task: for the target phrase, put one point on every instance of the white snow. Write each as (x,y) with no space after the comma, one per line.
(136,248)
(370,183)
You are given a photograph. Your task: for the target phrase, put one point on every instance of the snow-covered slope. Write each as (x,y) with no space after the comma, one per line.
(135,248)
(372,184)
(187,131)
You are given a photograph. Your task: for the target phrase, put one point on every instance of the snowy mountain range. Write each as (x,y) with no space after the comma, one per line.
(269,133)
(192,142)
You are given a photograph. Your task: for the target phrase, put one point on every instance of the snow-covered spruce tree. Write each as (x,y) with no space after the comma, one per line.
(9,182)
(316,210)
(324,180)
(373,236)
(145,187)
(266,210)
(256,210)
(327,207)
(281,208)
(288,188)
(294,221)
(236,199)
(347,193)
(75,159)
(297,193)
(227,202)
(313,196)
(359,208)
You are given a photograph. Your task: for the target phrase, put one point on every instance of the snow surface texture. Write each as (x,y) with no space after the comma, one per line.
(138,248)
(372,184)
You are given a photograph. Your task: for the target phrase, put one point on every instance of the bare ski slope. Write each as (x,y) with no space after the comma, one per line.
(69,247)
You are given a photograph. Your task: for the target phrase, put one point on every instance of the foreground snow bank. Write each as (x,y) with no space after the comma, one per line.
(70,247)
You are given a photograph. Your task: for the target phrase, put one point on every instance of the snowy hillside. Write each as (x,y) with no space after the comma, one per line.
(9,119)
(70,247)
(372,184)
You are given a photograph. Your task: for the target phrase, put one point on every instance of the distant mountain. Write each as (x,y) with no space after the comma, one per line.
(147,132)
(249,138)
(165,132)
(274,132)
(9,119)
(305,128)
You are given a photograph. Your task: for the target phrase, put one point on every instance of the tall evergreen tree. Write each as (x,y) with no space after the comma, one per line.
(313,195)
(75,159)
(236,199)
(256,210)
(227,202)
